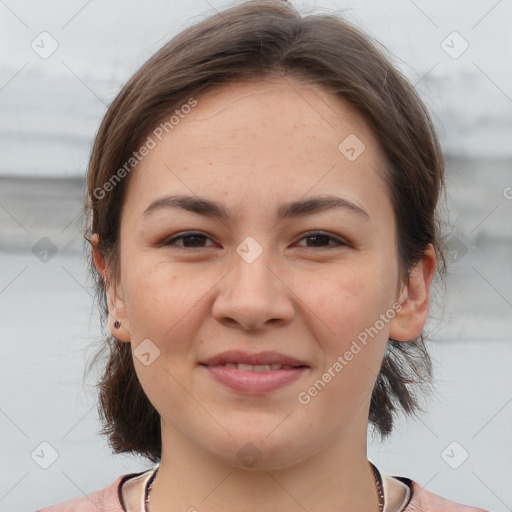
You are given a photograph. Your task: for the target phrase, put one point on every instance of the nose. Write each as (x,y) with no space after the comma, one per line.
(254,295)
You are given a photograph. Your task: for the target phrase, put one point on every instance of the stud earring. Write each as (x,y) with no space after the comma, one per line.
(117,324)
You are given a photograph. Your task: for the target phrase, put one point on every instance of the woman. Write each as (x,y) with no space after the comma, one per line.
(262,198)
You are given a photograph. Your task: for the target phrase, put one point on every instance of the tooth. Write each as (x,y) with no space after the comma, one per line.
(261,367)
(245,367)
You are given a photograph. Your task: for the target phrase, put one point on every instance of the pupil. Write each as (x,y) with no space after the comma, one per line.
(197,238)
(320,238)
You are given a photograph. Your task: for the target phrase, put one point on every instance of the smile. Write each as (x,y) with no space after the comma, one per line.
(258,367)
(258,379)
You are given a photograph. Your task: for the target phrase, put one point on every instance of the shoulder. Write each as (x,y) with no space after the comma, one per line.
(103,500)
(424,501)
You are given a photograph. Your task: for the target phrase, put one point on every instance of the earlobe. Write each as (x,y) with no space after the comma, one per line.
(414,298)
(118,328)
(117,319)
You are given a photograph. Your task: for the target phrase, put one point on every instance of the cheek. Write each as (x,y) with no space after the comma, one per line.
(349,300)
(165,303)
(350,306)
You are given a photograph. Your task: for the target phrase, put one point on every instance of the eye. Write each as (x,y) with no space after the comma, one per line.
(189,239)
(192,239)
(321,239)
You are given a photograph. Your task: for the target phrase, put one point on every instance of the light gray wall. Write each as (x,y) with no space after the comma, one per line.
(50,107)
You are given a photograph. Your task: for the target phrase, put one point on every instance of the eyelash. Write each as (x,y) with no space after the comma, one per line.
(170,242)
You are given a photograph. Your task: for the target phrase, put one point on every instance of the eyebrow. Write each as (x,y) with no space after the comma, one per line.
(209,208)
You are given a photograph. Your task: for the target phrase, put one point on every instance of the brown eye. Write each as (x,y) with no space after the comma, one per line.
(320,239)
(189,240)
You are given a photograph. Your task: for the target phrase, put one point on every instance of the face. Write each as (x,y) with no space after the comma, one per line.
(259,302)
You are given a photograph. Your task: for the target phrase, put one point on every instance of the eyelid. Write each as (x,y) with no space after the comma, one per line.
(184,234)
(340,241)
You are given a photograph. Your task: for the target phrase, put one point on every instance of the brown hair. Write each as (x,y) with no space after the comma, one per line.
(255,40)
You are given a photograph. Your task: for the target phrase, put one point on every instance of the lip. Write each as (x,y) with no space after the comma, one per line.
(254,382)
(238,356)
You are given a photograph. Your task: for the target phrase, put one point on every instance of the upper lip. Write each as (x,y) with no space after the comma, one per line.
(238,356)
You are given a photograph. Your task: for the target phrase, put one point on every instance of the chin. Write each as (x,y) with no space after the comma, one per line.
(259,450)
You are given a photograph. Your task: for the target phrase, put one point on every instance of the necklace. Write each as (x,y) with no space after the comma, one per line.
(376,475)
(378,484)
(148,489)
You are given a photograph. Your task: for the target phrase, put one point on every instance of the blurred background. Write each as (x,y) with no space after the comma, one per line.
(61,65)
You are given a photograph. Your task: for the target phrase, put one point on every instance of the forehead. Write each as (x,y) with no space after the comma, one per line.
(262,139)
(276,111)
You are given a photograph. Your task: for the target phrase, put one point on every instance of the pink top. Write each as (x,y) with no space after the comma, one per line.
(109,499)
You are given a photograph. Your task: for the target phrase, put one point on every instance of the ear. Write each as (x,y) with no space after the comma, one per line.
(414,296)
(116,305)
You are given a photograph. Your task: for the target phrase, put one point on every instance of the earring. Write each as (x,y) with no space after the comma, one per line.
(117,324)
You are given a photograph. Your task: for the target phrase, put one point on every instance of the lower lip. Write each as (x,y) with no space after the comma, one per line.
(254,383)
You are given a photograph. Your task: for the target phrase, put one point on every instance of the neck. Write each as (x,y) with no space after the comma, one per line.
(338,478)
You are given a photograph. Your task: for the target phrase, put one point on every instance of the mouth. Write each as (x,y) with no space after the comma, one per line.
(256,359)
(254,374)
(257,367)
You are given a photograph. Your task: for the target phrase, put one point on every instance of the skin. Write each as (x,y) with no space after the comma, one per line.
(252,146)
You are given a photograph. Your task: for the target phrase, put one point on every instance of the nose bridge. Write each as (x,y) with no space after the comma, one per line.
(252,277)
(252,294)
(251,268)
